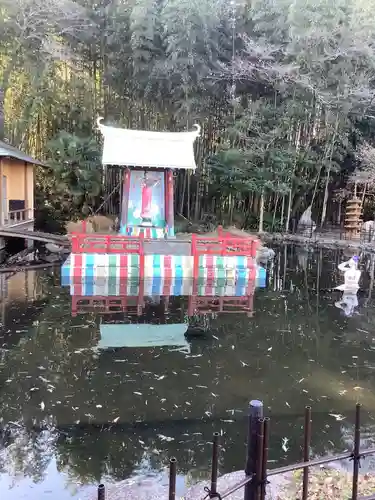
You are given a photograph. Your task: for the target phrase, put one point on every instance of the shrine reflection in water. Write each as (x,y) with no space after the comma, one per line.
(138,319)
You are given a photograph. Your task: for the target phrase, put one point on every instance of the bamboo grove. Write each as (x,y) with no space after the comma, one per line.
(283,89)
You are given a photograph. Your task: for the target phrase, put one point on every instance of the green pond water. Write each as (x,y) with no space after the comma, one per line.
(73,415)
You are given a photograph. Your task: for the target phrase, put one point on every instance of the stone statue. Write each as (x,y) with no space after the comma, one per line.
(306,226)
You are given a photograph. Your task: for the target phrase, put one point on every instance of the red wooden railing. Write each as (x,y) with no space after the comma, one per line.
(106,304)
(107,243)
(225,304)
(225,244)
(197,304)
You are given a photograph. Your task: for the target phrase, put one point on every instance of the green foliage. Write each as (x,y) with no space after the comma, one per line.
(75,162)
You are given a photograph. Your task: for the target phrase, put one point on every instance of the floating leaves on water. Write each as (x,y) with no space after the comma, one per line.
(269,349)
(288,405)
(165,438)
(15,424)
(336,416)
(284,444)
(160,377)
(137,393)
(115,420)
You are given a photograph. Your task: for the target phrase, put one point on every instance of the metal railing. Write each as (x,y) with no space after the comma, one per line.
(257,477)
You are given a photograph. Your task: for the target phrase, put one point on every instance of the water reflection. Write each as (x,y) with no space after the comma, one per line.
(78,404)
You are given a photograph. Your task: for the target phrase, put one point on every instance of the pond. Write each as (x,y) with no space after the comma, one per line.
(73,414)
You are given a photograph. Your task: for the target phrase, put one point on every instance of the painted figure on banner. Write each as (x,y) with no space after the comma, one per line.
(146,206)
(146,199)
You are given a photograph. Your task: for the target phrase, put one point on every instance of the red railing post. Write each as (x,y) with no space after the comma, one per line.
(75,243)
(194,253)
(141,256)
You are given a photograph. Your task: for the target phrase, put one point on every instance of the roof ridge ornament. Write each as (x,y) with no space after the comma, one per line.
(98,120)
(199,128)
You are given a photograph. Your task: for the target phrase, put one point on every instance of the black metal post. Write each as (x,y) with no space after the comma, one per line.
(265,459)
(214,465)
(101,492)
(306,451)
(172,478)
(260,450)
(251,466)
(356,456)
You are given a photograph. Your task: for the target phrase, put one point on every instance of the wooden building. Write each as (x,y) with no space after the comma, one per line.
(16,188)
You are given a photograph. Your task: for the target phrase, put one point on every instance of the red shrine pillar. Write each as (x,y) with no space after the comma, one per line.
(125,199)
(169,202)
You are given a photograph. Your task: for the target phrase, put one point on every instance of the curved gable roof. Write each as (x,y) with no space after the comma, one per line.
(141,148)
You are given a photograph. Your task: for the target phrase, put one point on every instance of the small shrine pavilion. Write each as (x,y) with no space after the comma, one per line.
(148,159)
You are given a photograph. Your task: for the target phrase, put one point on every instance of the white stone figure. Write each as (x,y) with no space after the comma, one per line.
(306,226)
(348,303)
(352,274)
(350,287)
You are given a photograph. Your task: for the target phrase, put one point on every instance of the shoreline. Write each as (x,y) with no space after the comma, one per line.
(317,241)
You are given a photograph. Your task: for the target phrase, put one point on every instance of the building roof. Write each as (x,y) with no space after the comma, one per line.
(8,151)
(140,148)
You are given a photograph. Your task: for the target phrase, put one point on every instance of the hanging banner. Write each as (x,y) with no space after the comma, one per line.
(146,199)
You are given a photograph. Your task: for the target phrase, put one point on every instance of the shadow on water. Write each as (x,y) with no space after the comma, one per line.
(73,414)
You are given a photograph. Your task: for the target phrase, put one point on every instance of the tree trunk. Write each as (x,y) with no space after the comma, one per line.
(282,212)
(325,200)
(289,211)
(182,199)
(261,212)
(274,211)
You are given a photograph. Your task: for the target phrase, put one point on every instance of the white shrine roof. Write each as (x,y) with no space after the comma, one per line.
(140,148)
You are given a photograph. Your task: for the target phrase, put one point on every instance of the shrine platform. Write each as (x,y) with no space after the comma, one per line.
(96,256)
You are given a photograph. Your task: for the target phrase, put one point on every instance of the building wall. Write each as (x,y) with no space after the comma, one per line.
(14,170)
